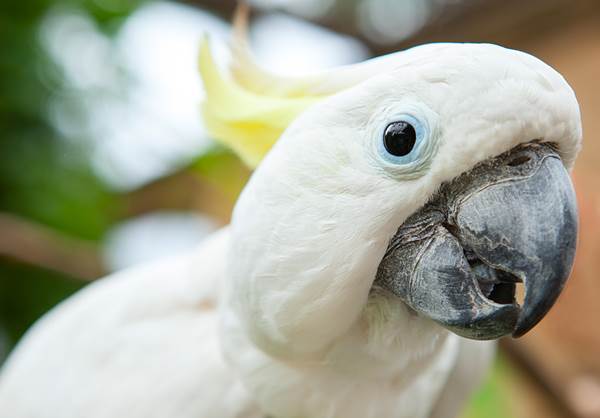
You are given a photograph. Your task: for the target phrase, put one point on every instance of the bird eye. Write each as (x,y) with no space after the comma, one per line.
(402,140)
(399,138)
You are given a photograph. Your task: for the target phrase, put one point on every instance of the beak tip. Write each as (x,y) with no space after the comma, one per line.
(535,310)
(520,331)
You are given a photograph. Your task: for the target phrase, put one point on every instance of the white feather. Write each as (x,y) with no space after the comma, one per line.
(299,332)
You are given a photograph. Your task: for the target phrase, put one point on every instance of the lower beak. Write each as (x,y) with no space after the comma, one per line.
(510,220)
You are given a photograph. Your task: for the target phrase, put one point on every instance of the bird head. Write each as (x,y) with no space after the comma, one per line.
(435,178)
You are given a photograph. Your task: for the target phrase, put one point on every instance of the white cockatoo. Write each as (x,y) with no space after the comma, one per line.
(399,203)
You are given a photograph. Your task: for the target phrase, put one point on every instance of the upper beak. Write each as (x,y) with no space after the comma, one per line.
(510,220)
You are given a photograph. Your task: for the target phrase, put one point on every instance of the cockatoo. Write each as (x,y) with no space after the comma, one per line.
(395,206)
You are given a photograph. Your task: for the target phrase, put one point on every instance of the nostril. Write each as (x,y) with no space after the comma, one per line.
(519,160)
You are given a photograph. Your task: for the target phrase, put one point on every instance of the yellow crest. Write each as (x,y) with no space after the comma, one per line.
(248,109)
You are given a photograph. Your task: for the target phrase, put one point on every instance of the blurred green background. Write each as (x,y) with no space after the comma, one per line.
(104,162)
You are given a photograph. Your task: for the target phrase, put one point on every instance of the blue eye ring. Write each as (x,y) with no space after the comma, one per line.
(408,130)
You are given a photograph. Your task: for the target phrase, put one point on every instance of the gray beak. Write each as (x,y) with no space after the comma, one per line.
(512,219)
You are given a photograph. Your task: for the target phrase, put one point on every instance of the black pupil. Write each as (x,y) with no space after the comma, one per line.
(399,138)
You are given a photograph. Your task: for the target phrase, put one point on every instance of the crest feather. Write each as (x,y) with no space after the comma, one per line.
(247,108)
(248,122)
(253,77)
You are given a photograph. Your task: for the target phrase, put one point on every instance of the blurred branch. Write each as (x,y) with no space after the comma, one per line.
(176,191)
(506,22)
(35,244)
(209,185)
(498,21)
(182,190)
(222,8)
